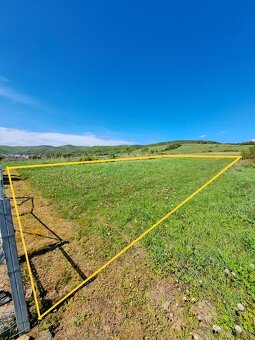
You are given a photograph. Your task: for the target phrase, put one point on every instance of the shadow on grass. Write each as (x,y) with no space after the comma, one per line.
(15,178)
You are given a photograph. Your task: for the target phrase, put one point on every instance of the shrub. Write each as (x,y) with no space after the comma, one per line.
(250,153)
(86,157)
(172,146)
(144,150)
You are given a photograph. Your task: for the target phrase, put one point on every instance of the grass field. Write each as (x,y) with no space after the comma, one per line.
(208,245)
(119,201)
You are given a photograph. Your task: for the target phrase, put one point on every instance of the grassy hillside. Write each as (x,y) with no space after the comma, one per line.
(208,246)
(201,148)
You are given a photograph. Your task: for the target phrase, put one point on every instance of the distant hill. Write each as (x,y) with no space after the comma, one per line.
(186,141)
(71,150)
(64,150)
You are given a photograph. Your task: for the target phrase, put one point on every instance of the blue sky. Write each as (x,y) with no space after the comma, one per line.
(109,72)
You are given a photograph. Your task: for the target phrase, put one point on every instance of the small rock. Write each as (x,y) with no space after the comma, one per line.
(240,307)
(226,271)
(199,317)
(29,293)
(196,337)
(252,266)
(166,305)
(216,329)
(171,315)
(184,298)
(179,289)
(238,329)
(193,300)
(48,336)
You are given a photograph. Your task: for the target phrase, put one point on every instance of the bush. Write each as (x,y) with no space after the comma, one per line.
(86,157)
(250,153)
(172,146)
(144,150)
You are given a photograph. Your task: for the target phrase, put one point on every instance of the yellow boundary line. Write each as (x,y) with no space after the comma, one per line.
(8,169)
(119,160)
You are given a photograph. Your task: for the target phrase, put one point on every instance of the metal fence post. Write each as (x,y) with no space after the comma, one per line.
(13,267)
(1,182)
(1,198)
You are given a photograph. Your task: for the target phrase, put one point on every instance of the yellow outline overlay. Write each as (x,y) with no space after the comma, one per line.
(8,169)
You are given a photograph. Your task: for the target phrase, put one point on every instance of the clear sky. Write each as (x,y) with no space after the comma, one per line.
(96,72)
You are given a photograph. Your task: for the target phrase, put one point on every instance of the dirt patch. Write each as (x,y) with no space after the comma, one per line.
(122,303)
(204,311)
(168,300)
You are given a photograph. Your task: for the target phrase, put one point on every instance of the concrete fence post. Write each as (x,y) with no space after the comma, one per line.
(1,198)
(13,267)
